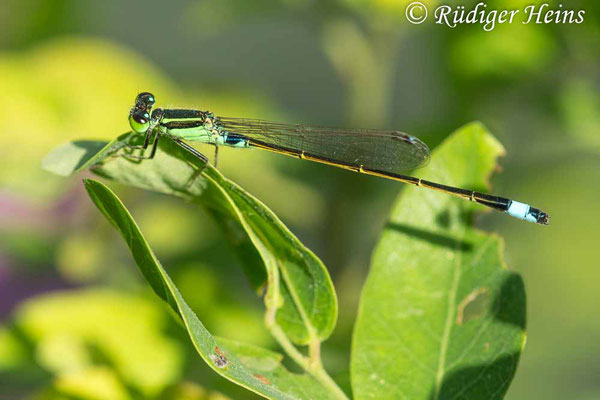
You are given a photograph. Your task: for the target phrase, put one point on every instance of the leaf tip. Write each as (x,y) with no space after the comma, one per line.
(479,128)
(89,183)
(92,186)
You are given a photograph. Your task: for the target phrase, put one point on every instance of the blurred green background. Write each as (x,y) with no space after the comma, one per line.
(76,319)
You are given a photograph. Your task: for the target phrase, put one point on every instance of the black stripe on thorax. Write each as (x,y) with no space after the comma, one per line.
(183,114)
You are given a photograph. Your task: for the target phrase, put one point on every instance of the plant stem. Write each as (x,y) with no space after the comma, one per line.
(312,366)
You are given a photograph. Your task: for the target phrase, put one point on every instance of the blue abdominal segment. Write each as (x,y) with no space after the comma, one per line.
(231,139)
(526,212)
(236,140)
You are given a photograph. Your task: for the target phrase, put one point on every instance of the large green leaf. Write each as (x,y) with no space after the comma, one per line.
(301,305)
(299,294)
(440,316)
(254,368)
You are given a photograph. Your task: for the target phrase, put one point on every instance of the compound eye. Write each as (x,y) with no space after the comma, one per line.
(139,121)
(146,99)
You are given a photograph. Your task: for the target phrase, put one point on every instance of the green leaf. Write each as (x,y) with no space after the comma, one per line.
(440,315)
(76,156)
(256,369)
(300,298)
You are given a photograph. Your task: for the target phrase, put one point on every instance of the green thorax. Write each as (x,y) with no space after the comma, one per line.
(197,126)
(192,125)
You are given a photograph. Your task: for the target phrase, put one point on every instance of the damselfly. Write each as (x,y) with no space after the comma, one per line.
(373,152)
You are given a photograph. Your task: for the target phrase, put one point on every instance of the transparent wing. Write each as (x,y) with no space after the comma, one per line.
(390,151)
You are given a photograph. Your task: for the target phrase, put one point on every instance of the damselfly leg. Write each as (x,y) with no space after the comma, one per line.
(145,146)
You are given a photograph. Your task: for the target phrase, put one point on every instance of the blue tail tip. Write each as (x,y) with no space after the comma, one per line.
(527,213)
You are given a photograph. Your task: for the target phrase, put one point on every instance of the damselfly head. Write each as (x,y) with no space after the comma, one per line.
(139,115)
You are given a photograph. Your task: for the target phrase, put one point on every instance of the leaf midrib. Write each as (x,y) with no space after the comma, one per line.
(448,324)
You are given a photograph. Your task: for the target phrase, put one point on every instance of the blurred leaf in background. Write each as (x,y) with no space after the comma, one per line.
(67,333)
(46,101)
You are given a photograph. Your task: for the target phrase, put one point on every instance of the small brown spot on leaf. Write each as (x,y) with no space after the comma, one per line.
(218,351)
(219,358)
(473,306)
(263,379)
